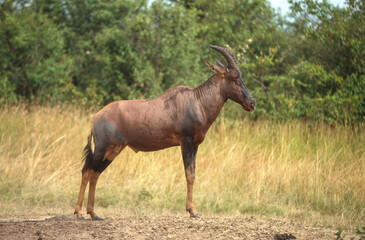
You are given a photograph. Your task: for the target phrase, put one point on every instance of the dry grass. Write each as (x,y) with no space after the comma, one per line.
(308,172)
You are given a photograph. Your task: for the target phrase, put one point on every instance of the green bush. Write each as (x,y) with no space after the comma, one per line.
(93,52)
(32,60)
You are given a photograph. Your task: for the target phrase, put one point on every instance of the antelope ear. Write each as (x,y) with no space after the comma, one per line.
(210,66)
(215,68)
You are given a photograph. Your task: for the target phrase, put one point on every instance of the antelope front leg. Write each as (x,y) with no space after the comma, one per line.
(189,156)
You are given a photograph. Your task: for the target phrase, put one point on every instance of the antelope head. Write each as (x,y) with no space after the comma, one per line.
(235,88)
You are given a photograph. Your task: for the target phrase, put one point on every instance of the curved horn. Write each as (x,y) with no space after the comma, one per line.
(219,64)
(228,55)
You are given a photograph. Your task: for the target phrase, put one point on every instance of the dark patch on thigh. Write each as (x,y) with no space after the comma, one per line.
(105,132)
(95,160)
(102,165)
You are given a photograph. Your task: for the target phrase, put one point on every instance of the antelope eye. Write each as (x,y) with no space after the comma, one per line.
(237,82)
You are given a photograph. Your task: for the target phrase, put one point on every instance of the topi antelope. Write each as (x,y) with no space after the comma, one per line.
(179,117)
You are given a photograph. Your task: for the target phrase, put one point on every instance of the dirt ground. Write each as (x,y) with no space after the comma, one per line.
(159,227)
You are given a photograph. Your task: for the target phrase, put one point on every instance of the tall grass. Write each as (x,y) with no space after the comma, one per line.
(309,172)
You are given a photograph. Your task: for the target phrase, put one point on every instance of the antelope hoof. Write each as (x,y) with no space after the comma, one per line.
(79,216)
(193,213)
(97,218)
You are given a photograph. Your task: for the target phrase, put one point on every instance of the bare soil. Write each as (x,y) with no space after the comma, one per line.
(159,227)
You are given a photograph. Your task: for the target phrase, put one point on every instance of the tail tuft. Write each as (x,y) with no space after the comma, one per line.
(88,155)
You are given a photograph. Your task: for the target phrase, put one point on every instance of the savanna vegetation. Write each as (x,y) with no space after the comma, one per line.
(309,172)
(300,155)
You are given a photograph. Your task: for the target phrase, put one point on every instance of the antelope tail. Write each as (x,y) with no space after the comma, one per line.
(88,157)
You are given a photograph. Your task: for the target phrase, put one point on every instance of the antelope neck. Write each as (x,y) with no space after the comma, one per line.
(211,96)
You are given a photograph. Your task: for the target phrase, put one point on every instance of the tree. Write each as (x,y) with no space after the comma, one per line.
(32,59)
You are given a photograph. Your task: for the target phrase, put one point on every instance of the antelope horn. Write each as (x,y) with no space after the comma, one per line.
(219,64)
(227,55)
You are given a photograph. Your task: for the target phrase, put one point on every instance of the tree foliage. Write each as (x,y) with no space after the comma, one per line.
(308,65)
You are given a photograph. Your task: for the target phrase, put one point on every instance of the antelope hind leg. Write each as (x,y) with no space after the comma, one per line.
(111,153)
(91,199)
(84,181)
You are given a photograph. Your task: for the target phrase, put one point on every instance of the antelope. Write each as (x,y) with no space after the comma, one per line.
(181,116)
